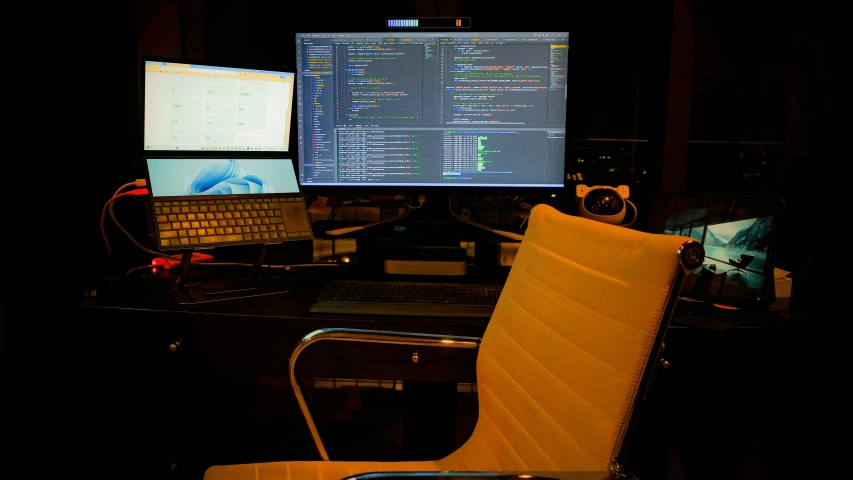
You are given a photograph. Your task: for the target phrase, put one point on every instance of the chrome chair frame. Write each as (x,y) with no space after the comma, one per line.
(365,336)
(691,255)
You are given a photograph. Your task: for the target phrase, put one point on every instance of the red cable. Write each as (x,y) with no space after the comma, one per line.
(138,191)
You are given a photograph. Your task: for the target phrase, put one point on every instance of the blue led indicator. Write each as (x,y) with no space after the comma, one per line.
(402,22)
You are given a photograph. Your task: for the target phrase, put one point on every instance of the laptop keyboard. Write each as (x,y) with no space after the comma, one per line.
(187,223)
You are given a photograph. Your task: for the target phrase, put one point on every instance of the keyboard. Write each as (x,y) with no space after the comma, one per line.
(424,299)
(188,223)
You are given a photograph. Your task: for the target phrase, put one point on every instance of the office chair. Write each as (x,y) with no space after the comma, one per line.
(743,262)
(565,360)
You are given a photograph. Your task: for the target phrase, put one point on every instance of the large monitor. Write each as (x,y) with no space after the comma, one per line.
(432,111)
(213,108)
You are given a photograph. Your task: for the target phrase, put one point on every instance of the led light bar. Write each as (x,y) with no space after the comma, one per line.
(428,22)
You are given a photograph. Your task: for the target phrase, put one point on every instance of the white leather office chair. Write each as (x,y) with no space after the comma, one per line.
(574,340)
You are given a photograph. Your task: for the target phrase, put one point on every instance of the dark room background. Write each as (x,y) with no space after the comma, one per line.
(688,95)
(695,95)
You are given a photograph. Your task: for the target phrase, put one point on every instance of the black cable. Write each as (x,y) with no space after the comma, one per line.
(338,203)
(464,200)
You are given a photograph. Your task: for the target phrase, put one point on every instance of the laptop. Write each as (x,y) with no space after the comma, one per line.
(741,237)
(203,202)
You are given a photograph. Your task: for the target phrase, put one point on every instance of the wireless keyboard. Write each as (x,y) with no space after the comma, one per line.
(208,222)
(425,299)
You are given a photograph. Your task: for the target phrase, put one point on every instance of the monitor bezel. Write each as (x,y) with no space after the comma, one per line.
(348,190)
(291,152)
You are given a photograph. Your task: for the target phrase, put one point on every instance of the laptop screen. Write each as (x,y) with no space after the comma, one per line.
(740,235)
(187,177)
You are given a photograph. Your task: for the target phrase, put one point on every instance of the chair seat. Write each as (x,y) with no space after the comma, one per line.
(315,470)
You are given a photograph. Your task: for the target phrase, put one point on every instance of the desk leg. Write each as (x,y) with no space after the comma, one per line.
(429,420)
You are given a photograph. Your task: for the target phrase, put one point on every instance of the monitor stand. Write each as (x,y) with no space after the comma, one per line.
(435,217)
(427,241)
(255,284)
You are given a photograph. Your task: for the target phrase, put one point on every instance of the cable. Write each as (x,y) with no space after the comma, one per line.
(127,233)
(421,201)
(139,245)
(126,186)
(514,236)
(138,191)
(141,267)
(155,253)
(470,209)
(335,206)
(341,231)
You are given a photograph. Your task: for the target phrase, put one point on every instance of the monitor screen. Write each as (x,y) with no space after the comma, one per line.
(195,107)
(432,109)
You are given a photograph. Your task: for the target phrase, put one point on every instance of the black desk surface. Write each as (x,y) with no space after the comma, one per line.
(157,293)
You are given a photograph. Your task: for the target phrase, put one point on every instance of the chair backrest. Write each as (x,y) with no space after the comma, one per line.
(563,358)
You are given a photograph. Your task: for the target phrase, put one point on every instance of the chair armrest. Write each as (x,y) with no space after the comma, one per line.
(365,336)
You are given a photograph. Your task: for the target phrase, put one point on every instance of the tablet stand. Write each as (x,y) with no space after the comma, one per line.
(253,285)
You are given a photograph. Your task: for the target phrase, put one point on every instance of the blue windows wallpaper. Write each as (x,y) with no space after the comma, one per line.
(190,176)
(226,178)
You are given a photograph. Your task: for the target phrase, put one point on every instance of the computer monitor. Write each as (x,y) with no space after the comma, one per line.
(454,112)
(215,108)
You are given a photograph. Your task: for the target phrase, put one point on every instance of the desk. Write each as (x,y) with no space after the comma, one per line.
(213,376)
(210,379)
